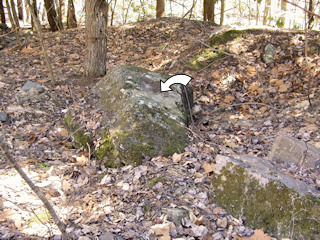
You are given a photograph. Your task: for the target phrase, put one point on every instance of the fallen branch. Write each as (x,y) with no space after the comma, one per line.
(37,191)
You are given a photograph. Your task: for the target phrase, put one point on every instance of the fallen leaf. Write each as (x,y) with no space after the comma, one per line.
(208,167)
(312,127)
(162,230)
(229,98)
(82,160)
(257,235)
(177,157)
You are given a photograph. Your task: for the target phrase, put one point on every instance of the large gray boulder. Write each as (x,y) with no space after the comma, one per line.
(140,121)
(251,188)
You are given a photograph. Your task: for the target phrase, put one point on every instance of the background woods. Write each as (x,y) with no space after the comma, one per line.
(261,12)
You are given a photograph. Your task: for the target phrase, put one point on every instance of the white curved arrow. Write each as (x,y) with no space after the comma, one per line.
(177,79)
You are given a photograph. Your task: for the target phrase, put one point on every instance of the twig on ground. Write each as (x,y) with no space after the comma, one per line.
(36,190)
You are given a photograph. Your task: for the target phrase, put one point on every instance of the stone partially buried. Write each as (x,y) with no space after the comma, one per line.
(140,121)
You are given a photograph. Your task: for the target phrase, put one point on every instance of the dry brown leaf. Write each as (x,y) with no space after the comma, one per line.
(159,159)
(162,230)
(177,157)
(63,132)
(230,144)
(257,235)
(82,160)
(312,128)
(204,99)
(288,129)
(284,87)
(208,167)
(229,98)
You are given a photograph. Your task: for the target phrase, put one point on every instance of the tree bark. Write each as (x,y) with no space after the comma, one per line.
(71,15)
(59,4)
(2,15)
(13,24)
(96,38)
(266,13)
(20,9)
(160,8)
(14,13)
(310,16)
(208,10)
(52,15)
(222,12)
(35,10)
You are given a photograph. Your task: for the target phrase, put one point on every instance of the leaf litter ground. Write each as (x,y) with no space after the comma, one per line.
(239,109)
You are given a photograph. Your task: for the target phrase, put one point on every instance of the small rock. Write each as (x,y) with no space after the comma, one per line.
(3,116)
(106,236)
(269,53)
(57,237)
(199,231)
(255,140)
(217,236)
(29,85)
(176,215)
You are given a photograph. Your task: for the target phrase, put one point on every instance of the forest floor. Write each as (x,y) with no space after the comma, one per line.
(240,108)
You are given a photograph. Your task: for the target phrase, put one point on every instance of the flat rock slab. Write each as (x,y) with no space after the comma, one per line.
(140,121)
(249,187)
(289,149)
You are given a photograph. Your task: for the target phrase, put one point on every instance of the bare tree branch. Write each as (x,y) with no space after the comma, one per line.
(312,13)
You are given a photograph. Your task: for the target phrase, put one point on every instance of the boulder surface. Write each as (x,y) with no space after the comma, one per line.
(140,121)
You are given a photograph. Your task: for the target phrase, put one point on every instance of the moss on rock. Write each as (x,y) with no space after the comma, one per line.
(281,211)
(146,121)
(79,138)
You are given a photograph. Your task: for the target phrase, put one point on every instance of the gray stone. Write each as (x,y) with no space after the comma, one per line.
(289,149)
(249,187)
(176,215)
(217,236)
(139,119)
(269,53)
(3,116)
(29,85)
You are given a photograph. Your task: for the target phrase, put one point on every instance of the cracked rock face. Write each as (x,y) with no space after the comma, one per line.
(139,119)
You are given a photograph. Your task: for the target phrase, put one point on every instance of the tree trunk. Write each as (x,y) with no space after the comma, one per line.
(208,10)
(283,5)
(13,24)
(52,15)
(14,13)
(2,15)
(35,9)
(266,12)
(96,38)
(160,8)
(257,12)
(20,9)
(59,4)
(310,16)
(222,12)
(112,13)
(71,16)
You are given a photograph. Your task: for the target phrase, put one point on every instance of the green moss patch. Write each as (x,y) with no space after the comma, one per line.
(281,211)
(218,41)
(80,139)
